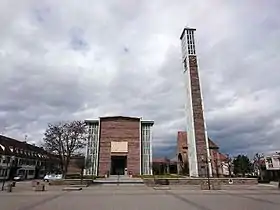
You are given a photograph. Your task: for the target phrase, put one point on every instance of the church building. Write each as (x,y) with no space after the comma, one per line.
(119,145)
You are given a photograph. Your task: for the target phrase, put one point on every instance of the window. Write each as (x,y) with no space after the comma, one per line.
(145,149)
(190,41)
(21,172)
(31,172)
(269,161)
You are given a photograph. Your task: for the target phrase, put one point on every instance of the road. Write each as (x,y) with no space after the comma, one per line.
(142,197)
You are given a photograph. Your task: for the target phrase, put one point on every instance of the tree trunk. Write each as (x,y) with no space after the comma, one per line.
(82,175)
(261,174)
(66,164)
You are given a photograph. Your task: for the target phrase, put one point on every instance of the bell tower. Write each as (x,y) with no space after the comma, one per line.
(198,145)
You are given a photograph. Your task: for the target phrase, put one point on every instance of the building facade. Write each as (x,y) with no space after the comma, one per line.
(216,158)
(119,145)
(198,145)
(272,165)
(18,158)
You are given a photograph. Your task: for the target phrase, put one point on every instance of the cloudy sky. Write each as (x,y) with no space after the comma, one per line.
(70,59)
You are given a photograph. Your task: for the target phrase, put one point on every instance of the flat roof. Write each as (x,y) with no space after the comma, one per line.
(151,122)
(91,121)
(125,117)
(186,28)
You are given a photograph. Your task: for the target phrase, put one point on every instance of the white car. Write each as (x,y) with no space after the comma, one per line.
(18,178)
(50,177)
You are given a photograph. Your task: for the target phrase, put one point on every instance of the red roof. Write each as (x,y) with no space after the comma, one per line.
(10,146)
(212,145)
(223,157)
(183,135)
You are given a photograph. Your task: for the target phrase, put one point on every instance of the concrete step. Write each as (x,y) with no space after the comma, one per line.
(161,188)
(118,180)
(72,188)
(119,184)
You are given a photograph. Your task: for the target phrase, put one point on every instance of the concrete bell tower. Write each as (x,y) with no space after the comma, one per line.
(198,145)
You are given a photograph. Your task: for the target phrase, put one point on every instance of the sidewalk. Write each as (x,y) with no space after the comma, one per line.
(26,187)
(271,184)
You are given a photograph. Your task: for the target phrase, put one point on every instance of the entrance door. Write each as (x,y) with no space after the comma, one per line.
(118,165)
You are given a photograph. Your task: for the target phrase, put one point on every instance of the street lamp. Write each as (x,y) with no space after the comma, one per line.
(207,170)
(8,169)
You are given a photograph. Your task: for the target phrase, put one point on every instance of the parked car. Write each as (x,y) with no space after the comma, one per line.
(50,177)
(18,178)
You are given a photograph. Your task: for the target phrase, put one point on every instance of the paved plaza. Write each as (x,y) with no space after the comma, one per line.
(141,197)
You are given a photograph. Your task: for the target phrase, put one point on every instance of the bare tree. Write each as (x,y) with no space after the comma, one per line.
(65,139)
(259,165)
(228,164)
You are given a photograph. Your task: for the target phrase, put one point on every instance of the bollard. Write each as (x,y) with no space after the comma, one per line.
(40,187)
(14,184)
(9,187)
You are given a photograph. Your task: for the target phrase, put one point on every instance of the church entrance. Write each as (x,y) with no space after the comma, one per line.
(118,165)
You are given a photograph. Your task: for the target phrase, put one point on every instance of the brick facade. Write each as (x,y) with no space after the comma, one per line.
(215,155)
(198,115)
(119,129)
(182,150)
(76,164)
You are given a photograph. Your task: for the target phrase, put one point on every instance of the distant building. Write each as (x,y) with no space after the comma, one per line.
(226,166)
(164,166)
(219,165)
(26,160)
(76,164)
(119,145)
(272,164)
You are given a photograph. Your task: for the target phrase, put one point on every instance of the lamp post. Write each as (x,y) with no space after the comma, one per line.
(207,170)
(8,168)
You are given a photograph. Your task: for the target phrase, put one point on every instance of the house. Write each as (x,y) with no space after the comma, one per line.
(164,166)
(219,165)
(27,160)
(272,164)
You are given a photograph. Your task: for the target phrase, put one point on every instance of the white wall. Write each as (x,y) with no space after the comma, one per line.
(272,162)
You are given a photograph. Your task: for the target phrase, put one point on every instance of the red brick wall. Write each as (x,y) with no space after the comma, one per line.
(75,165)
(119,129)
(216,163)
(197,114)
(181,144)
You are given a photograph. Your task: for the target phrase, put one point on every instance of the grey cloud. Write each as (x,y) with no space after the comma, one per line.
(43,80)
